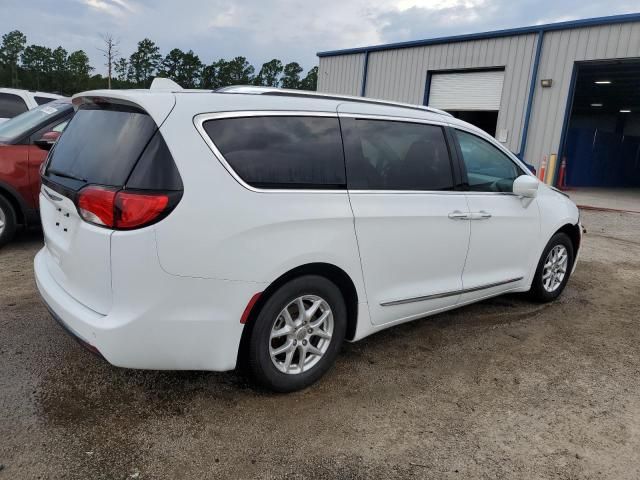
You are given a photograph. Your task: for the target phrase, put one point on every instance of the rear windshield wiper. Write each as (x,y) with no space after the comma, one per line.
(66,175)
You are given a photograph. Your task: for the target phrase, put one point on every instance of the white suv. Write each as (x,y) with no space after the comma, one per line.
(199,230)
(14,101)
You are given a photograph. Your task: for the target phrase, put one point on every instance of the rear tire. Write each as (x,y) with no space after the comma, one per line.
(554,269)
(298,334)
(8,221)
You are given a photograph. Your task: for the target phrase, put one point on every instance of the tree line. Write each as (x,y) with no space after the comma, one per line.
(36,67)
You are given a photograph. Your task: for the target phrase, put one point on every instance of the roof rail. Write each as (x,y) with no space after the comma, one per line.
(256,90)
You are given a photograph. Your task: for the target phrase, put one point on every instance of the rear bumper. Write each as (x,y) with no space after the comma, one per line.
(179,324)
(73,334)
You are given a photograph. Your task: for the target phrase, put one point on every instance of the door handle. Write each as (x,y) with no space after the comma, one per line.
(458,215)
(481,215)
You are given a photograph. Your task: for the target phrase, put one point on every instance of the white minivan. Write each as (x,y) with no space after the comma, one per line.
(14,101)
(201,230)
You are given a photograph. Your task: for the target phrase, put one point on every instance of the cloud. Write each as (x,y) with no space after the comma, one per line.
(112,7)
(264,29)
(454,17)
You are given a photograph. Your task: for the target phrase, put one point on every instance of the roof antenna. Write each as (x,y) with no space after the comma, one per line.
(160,83)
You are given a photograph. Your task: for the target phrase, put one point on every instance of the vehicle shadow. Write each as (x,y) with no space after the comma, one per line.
(85,388)
(24,237)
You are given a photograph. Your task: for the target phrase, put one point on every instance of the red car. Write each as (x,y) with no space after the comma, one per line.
(25,141)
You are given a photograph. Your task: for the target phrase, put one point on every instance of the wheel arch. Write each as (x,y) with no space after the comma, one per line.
(327,270)
(573,232)
(13,197)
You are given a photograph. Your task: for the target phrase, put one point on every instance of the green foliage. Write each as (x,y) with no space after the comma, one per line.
(310,82)
(12,46)
(269,74)
(211,75)
(79,70)
(37,61)
(121,68)
(291,76)
(37,67)
(184,68)
(237,72)
(143,63)
(59,70)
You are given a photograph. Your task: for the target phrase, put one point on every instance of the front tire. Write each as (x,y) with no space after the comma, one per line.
(8,221)
(554,269)
(298,334)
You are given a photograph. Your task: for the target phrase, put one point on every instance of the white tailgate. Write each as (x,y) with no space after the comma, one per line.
(79,254)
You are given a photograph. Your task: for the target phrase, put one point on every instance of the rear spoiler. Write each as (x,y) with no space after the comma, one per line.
(157,103)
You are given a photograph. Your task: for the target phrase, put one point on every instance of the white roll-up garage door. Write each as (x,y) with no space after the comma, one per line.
(466,91)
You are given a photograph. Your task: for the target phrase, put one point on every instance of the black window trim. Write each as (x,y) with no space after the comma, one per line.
(200,119)
(497,146)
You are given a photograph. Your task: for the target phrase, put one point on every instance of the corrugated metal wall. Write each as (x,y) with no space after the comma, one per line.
(560,50)
(400,75)
(341,74)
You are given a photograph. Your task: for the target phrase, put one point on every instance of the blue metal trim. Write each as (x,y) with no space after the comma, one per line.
(567,116)
(427,89)
(532,91)
(365,70)
(588,22)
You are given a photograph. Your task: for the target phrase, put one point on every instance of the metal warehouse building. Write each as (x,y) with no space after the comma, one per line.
(570,89)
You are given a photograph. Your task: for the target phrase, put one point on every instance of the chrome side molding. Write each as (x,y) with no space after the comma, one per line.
(452,293)
(53,197)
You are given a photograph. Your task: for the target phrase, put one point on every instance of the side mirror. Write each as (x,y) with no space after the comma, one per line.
(526,186)
(47,140)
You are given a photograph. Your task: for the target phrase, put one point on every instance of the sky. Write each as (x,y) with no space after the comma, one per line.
(285,29)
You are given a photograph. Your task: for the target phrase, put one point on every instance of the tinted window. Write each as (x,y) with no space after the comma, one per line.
(101,145)
(488,169)
(56,126)
(26,123)
(387,155)
(282,152)
(43,100)
(11,105)
(155,170)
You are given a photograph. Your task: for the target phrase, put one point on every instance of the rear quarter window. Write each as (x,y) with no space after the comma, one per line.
(11,105)
(42,100)
(282,151)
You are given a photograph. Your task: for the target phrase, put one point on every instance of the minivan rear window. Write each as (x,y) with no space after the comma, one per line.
(101,145)
(282,151)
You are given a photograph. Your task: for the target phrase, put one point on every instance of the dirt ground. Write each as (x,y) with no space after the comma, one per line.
(501,389)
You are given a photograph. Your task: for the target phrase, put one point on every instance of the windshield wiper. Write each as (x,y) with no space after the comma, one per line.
(66,175)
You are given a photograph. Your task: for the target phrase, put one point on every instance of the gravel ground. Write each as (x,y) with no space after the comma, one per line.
(501,389)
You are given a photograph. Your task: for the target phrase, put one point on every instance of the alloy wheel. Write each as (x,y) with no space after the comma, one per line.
(555,268)
(3,220)
(301,334)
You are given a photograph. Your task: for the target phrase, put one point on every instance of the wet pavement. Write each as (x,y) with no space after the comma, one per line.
(501,389)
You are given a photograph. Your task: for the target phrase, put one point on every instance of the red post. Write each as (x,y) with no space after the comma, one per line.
(562,173)
(543,168)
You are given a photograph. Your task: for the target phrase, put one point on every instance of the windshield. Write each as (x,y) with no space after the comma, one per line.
(25,122)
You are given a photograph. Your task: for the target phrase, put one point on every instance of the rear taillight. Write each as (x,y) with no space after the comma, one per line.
(123,209)
(134,210)
(96,205)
